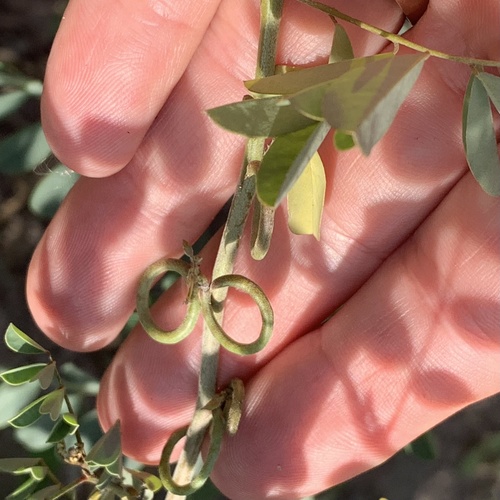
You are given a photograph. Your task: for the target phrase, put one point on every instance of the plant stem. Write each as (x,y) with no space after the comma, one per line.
(397,39)
(226,256)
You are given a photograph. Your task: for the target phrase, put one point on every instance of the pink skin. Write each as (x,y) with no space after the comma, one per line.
(410,244)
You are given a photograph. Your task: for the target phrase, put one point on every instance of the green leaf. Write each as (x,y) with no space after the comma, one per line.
(29,414)
(107,450)
(343,140)
(479,139)
(491,84)
(266,117)
(46,375)
(22,151)
(51,190)
(341,46)
(306,199)
(52,403)
(151,481)
(23,492)
(67,425)
(297,81)
(423,447)
(18,465)
(45,493)
(285,160)
(13,398)
(11,102)
(364,100)
(18,341)
(22,374)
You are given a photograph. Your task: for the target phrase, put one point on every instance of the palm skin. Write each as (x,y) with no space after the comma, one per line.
(409,244)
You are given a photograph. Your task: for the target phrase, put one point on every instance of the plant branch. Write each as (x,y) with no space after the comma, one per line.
(397,39)
(226,256)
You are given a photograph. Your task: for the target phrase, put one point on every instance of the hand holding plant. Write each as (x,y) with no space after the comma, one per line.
(409,240)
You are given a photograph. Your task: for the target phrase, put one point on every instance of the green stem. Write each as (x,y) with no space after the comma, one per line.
(226,256)
(397,39)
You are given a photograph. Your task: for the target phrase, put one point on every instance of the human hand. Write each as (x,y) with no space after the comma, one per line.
(409,242)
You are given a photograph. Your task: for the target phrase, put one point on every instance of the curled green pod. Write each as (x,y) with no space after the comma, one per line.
(249,287)
(217,427)
(147,280)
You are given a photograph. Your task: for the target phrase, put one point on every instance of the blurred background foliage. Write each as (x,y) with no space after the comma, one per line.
(459,459)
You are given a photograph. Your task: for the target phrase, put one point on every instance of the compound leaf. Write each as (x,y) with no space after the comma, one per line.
(18,341)
(306,199)
(285,160)
(479,139)
(22,374)
(266,117)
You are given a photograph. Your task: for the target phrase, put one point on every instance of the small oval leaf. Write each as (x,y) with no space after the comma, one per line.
(343,140)
(46,375)
(18,465)
(22,374)
(152,482)
(107,450)
(11,102)
(65,426)
(29,414)
(52,403)
(341,46)
(21,151)
(479,139)
(18,341)
(306,199)
(491,84)
(285,160)
(266,117)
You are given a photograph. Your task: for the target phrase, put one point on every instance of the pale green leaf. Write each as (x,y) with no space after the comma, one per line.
(492,85)
(151,481)
(479,139)
(341,46)
(13,398)
(18,465)
(364,100)
(21,151)
(51,190)
(11,102)
(65,426)
(23,492)
(297,81)
(306,199)
(22,374)
(107,450)
(53,403)
(45,493)
(29,414)
(285,161)
(343,140)
(18,341)
(46,375)
(266,117)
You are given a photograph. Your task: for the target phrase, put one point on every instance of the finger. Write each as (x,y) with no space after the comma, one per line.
(417,343)
(111,68)
(143,212)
